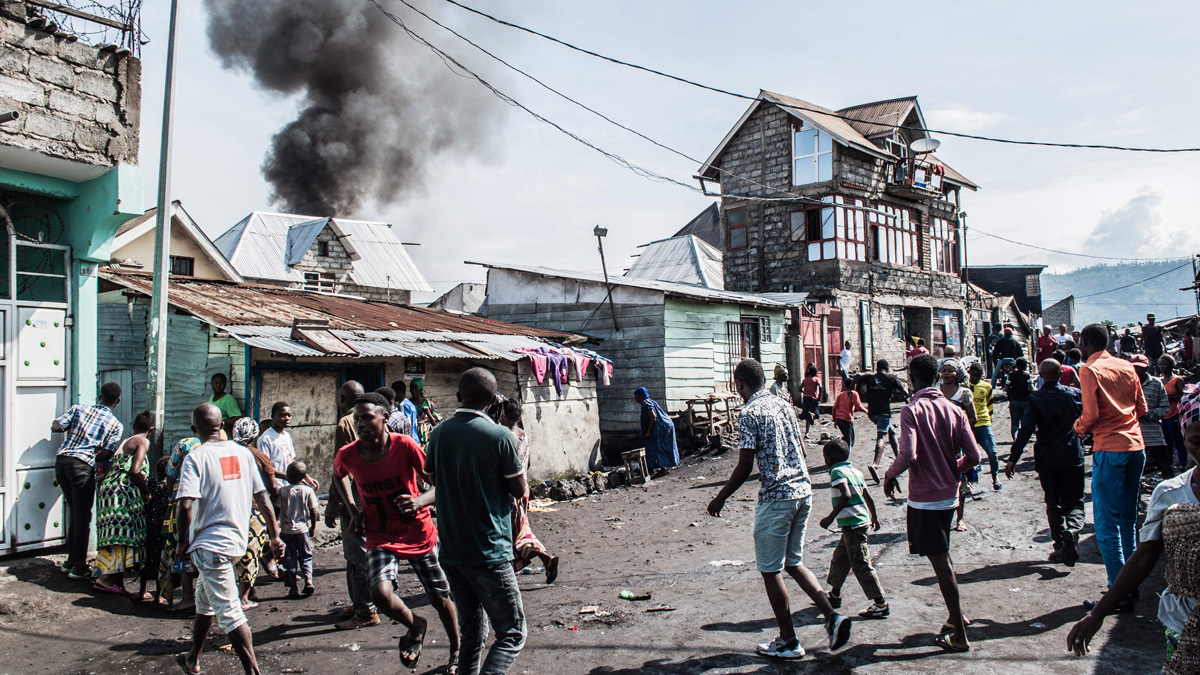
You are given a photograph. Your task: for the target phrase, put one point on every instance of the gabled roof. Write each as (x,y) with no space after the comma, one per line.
(686,259)
(132,230)
(266,246)
(665,287)
(867,121)
(875,119)
(706,225)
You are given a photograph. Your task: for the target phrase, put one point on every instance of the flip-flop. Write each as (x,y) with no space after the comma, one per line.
(410,651)
(944,641)
(949,628)
(181,660)
(110,589)
(552,570)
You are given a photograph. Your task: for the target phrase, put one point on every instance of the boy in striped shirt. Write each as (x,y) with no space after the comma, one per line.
(854,511)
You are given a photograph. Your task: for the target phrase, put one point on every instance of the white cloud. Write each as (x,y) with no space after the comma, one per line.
(963,119)
(1138,228)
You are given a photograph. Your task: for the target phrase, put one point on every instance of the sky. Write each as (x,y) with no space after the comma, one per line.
(1090,72)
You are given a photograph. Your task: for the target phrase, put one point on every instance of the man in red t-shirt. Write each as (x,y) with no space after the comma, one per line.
(1045,345)
(394,516)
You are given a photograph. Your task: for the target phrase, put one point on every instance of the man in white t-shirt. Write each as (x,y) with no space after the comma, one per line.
(844,360)
(276,442)
(219,485)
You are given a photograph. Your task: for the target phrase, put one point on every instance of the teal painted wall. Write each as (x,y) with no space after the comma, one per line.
(696,354)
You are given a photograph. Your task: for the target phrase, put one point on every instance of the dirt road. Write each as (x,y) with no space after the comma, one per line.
(656,539)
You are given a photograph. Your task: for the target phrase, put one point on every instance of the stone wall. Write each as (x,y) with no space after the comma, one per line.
(76,102)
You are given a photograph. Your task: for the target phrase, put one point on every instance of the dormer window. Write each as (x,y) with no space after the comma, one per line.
(322,249)
(812,155)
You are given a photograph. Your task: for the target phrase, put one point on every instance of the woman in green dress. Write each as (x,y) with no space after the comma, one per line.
(120,510)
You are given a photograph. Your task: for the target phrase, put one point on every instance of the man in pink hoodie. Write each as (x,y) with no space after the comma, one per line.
(936,448)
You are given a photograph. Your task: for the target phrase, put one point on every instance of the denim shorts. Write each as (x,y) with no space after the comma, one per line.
(779,534)
(883,423)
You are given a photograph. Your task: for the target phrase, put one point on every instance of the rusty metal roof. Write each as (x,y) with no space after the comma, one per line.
(227,304)
(872,119)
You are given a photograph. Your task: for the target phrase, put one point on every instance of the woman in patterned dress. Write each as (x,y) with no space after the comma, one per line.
(245,431)
(526,545)
(170,564)
(120,513)
(662,451)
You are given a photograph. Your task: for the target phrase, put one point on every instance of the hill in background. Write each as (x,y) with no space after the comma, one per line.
(1160,295)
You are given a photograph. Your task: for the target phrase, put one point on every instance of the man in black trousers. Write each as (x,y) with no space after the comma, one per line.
(1057,458)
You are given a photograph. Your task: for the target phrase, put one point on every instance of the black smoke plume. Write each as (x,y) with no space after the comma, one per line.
(377,106)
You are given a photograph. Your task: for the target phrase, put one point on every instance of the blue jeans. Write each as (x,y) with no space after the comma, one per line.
(297,559)
(487,593)
(983,436)
(1116,477)
(1016,410)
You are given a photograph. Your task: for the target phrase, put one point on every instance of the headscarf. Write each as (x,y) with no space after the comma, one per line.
(1189,406)
(643,391)
(245,430)
(780,370)
(958,366)
(417,382)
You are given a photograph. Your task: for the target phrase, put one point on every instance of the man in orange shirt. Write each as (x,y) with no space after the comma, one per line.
(1112,403)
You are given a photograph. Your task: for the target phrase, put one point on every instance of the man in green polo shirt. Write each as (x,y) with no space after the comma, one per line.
(473,462)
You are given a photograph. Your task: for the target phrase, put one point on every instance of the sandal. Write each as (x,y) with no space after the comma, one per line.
(949,627)
(410,647)
(552,570)
(944,641)
(181,659)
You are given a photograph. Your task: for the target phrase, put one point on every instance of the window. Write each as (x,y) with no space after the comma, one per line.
(185,267)
(322,249)
(837,231)
(812,155)
(739,233)
(1033,285)
(943,246)
(764,326)
(320,282)
(894,236)
(742,342)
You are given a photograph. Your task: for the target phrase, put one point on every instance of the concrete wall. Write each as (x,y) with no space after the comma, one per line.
(564,431)
(76,103)
(142,251)
(578,307)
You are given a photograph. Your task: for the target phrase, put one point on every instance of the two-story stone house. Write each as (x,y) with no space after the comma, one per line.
(839,205)
(328,255)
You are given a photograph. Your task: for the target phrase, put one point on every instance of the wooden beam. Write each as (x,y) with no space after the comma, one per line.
(57,7)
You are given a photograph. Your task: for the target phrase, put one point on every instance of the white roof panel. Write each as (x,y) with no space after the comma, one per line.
(685,259)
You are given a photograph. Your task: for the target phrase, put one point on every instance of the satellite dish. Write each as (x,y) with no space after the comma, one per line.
(923,146)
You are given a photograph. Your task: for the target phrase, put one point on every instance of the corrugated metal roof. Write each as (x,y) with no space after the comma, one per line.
(706,225)
(673,289)
(827,120)
(429,344)
(792,299)
(223,303)
(264,245)
(952,175)
(686,260)
(869,115)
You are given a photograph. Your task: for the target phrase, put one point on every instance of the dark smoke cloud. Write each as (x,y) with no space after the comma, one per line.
(377,106)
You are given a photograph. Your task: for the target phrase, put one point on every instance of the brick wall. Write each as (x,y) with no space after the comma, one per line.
(339,263)
(76,103)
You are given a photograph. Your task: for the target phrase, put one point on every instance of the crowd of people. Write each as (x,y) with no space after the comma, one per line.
(233,500)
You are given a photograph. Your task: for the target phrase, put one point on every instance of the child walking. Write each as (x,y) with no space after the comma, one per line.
(981,391)
(156,512)
(854,510)
(811,390)
(844,407)
(298,508)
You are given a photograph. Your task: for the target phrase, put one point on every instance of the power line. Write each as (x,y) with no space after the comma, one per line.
(719,90)
(1118,288)
(1081,255)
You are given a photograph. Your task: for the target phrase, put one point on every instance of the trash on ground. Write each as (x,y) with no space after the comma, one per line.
(353,646)
(533,570)
(589,609)
(541,506)
(630,595)
(660,608)
(1037,624)
(727,563)
(573,628)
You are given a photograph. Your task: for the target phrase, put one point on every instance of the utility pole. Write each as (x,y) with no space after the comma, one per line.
(969,323)
(159,313)
(600,233)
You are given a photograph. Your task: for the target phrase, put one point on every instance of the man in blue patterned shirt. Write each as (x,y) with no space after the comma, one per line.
(92,433)
(771,434)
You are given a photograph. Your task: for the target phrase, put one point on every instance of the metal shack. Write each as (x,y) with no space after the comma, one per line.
(678,340)
(251,333)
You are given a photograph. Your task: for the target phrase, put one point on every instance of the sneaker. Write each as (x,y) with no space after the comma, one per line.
(876,611)
(782,649)
(356,621)
(996,486)
(81,572)
(838,627)
(835,600)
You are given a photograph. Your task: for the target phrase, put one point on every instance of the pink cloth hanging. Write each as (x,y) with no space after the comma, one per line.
(538,364)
